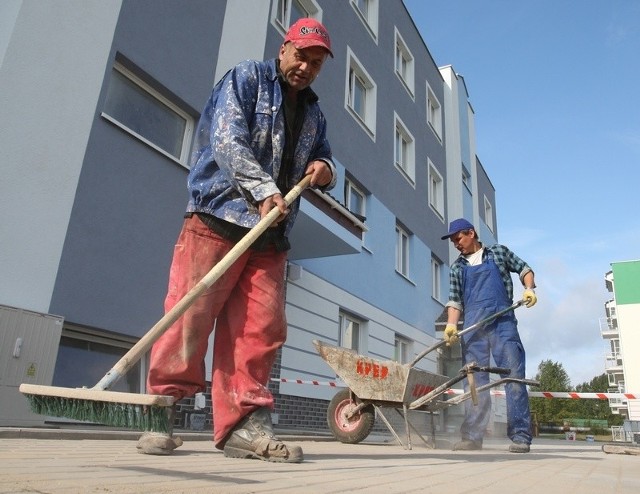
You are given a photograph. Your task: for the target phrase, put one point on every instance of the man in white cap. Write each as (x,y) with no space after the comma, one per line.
(480,285)
(260,132)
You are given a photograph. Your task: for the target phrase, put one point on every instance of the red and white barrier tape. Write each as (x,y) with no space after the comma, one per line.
(563,394)
(532,394)
(314,383)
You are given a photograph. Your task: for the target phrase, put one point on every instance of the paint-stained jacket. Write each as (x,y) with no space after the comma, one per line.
(239,145)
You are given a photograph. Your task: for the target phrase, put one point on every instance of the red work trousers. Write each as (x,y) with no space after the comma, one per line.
(246,304)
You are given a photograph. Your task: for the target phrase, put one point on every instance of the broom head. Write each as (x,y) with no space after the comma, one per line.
(126,410)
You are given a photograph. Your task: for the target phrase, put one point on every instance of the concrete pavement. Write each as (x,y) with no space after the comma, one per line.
(62,461)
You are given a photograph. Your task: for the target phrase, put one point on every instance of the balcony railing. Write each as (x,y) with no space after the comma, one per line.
(608,327)
(613,363)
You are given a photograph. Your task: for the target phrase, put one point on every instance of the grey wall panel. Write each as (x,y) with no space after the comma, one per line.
(52,66)
(130,199)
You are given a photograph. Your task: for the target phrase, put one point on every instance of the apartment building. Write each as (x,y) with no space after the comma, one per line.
(93,193)
(619,329)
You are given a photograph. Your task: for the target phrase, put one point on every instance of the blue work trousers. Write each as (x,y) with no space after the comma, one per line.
(501,340)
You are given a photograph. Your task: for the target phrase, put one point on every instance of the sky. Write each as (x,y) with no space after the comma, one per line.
(555,86)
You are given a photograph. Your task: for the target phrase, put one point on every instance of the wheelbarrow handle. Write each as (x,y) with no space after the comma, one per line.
(503,371)
(479,324)
(474,367)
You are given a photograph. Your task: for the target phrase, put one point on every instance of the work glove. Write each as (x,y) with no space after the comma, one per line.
(451,334)
(529,297)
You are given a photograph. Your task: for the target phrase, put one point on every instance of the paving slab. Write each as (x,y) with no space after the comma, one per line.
(83,464)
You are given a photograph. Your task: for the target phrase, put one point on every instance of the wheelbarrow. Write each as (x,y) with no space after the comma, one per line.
(372,384)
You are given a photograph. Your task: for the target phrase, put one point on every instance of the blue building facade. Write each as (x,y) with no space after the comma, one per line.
(113,105)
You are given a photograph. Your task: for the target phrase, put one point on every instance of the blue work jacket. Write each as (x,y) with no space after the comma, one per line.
(239,145)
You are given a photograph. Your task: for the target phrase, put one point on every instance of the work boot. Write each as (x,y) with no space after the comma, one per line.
(467,445)
(519,447)
(157,443)
(253,437)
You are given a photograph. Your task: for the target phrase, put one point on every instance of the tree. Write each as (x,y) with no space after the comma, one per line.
(596,409)
(552,377)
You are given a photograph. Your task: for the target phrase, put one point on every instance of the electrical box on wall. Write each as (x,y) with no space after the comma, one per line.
(29,344)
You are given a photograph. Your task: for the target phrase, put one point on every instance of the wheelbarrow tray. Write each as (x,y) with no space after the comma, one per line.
(378,380)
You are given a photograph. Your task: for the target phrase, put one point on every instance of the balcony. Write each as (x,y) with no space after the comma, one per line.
(613,363)
(608,328)
(615,379)
(324,228)
(619,406)
(608,281)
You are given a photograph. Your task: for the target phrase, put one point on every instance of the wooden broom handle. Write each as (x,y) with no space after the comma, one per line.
(146,342)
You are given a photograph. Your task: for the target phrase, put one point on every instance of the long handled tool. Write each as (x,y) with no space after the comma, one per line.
(140,411)
(468,369)
(466,330)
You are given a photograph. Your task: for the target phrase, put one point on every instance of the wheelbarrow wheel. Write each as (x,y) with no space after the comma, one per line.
(349,430)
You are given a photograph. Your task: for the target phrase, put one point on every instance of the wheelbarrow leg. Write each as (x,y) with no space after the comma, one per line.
(406,424)
(413,428)
(390,427)
(431,445)
(433,430)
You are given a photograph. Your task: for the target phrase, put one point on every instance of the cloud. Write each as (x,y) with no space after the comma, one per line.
(616,34)
(628,138)
(564,325)
(622,26)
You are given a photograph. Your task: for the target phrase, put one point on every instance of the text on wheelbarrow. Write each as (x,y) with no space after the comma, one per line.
(371,369)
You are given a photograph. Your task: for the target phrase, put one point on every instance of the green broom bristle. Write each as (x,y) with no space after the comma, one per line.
(141,417)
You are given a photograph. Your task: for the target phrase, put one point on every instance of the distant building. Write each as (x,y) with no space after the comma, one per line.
(99,102)
(620,329)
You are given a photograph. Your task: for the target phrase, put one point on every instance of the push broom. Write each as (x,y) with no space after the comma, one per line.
(140,411)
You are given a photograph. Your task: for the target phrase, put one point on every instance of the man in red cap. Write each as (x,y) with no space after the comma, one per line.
(260,132)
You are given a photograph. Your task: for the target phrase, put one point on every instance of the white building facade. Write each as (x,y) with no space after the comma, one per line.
(620,328)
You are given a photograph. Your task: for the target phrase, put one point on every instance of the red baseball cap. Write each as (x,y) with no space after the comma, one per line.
(306,32)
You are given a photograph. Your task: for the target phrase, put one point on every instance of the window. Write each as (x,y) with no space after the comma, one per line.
(95,354)
(612,319)
(358,91)
(436,191)
(402,251)
(135,107)
(367,11)
(352,332)
(287,12)
(466,178)
(436,278)
(360,98)
(404,151)
(434,113)
(615,347)
(404,64)
(488,213)
(355,199)
(402,350)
